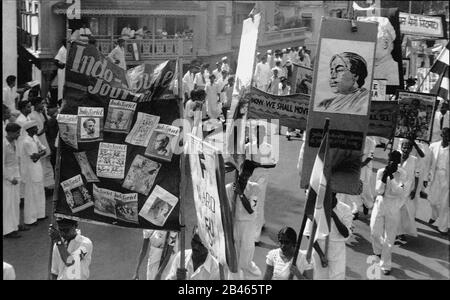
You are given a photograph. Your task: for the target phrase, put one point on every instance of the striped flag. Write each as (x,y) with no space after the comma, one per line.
(319,193)
(441,67)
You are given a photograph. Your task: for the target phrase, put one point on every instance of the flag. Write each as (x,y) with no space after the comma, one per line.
(135,52)
(440,67)
(319,193)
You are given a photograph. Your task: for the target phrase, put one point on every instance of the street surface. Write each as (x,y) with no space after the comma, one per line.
(116,249)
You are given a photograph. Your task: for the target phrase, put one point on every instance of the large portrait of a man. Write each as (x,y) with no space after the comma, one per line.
(344,77)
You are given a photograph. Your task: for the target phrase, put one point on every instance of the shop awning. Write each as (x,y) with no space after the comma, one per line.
(132,8)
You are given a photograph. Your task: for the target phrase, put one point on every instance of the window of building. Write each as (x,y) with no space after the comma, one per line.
(307,21)
(221,11)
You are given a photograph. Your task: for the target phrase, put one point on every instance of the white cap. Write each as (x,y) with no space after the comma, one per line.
(33,83)
(224,58)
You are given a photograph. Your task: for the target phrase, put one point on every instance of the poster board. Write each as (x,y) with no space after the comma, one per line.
(291,111)
(388,56)
(348,114)
(92,81)
(416,115)
(383,118)
(211,203)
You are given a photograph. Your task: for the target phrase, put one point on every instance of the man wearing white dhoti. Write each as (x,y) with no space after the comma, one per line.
(39,115)
(11,180)
(439,174)
(24,116)
(32,174)
(411,166)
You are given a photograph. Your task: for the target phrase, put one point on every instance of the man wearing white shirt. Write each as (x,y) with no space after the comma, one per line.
(411,166)
(202,77)
(117,55)
(441,120)
(25,110)
(217,71)
(274,83)
(72,252)
(10,96)
(225,65)
(247,195)
(366,174)
(340,231)
(60,58)
(260,151)
(283,88)
(438,178)
(85,33)
(213,108)
(199,263)
(390,187)
(32,174)
(11,181)
(262,74)
(188,80)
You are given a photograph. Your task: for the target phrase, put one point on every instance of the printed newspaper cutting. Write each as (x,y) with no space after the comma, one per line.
(90,124)
(379,90)
(67,125)
(141,175)
(162,142)
(142,129)
(158,206)
(120,116)
(116,205)
(85,167)
(415,117)
(111,160)
(77,195)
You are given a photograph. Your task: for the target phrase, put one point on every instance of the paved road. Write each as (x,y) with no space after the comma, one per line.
(116,249)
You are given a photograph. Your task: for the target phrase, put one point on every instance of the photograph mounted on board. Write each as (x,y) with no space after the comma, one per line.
(158,206)
(67,125)
(77,195)
(162,142)
(120,116)
(111,160)
(141,175)
(116,205)
(90,124)
(344,77)
(416,115)
(388,55)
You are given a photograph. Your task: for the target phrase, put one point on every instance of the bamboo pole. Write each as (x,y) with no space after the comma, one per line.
(182,164)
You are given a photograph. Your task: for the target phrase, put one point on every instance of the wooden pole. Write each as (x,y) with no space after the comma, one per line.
(305,218)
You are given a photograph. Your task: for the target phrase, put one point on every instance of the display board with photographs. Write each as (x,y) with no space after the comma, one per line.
(97,160)
(415,115)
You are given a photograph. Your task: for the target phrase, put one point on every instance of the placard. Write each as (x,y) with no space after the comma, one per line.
(379,89)
(416,115)
(211,204)
(383,118)
(341,92)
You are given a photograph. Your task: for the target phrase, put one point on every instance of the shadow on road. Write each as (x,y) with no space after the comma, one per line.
(413,266)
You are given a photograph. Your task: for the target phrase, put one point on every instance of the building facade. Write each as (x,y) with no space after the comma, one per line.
(202,30)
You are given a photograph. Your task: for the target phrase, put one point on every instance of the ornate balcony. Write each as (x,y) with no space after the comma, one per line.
(149,49)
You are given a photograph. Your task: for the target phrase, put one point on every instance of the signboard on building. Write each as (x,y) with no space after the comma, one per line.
(429,26)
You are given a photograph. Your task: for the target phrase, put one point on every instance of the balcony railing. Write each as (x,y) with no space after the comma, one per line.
(282,36)
(149,48)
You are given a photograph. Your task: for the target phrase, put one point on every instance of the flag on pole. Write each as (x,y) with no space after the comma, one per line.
(319,194)
(440,67)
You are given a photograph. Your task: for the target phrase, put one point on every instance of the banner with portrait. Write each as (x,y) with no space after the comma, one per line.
(342,83)
(211,203)
(388,55)
(126,175)
(291,110)
(415,115)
